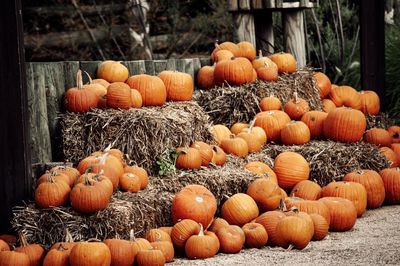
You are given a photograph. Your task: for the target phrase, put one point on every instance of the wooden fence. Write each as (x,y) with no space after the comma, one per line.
(47,82)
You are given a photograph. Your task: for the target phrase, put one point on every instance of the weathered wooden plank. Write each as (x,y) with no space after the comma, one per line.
(257,4)
(264,31)
(149,67)
(244,4)
(15,172)
(37,106)
(205,61)
(135,67)
(90,67)
(171,64)
(70,70)
(278,3)
(294,36)
(269,3)
(159,66)
(233,5)
(245,27)
(186,66)
(304,3)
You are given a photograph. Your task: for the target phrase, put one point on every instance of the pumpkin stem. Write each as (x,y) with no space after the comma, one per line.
(61,247)
(260,54)
(89,77)
(216,43)
(296,97)
(79,82)
(201,233)
(131,235)
(252,122)
(282,205)
(359,172)
(108,148)
(22,238)
(87,181)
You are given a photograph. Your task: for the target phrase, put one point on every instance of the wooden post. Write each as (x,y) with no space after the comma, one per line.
(264,31)
(373,47)
(15,177)
(294,37)
(244,20)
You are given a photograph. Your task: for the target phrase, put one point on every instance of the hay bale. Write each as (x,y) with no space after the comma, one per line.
(332,160)
(143,134)
(228,105)
(138,211)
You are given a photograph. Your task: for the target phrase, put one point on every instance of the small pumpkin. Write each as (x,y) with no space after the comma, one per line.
(202,245)
(268,72)
(323,83)
(270,103)
(140,172)
(231,239)
(342,212)
(308,206)
(217,224)
(219,156)
(238,127)
(321,227)
(345,96)
(390,155)
(120,95)
(179,85)
(235,146)
(378,136)
(296,107)
(254,144)
(205,77)
(285,61)
(230,46)
(35,252)
(188,158)
(69,171)
(112,71)
(182,230)
(269,220)
(205,150)
(391,181)
(236,71)
(52,193)
(290,168)
(166,247)
(129,182)
(156,234)
(315,123)
(247,50)
(90,253)
(306,189)
(266,193)
(151,89)
(370,102)
(239,209)
(394,132)
(57,257)
(220,132)
(79,99)
(261,60)
(222,55)
(295,133)
(255,235)
(261,169)
(122,253)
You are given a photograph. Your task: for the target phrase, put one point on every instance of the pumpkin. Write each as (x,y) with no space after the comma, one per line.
(239,209)
(166,247)
(342,212)
(231,239)
(140,172)
(323,83)
(373,184)
(290,168)
(4,245)
(352,191)
(182,230)
(156,234)
(79,99)
(272,122)
(394,131)
(266,193)
(188,158)
(308,206)
(254,144)
(295,230)
(179,85)
(222,55)
(89,196)
(390,156)
(122,253)
(230,46)
(238,127)
(345,125)
(296,107)
(220,132)
(268,72)
(67,245)
(258,132)
(8,258)
(328,105)
(112,71)
(261,61)
(396,148)
(166,229)
(285,61)
(35,252)
(205,77)
(378,136)
(306,189)
(235,146)
(255,235)
(139,244)
(205,150)
(129,182)
(315,123)
(217,224)
(69,171)
(370,102)
(120,95)
(55,177)
(247,49)
(57,257)
(11,240)
(99,89)
(52,193)
(261,169)
(194,202)
(391,181)
(345,96)
(151,88)
(236,71)
(202,245)
(269,220)
(270,103)
(114,152)
(219,156)
(321,226)
(105,186)
(102,82)
(90,253)
(295,133)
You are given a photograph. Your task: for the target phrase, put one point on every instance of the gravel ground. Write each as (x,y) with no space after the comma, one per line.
(374,240)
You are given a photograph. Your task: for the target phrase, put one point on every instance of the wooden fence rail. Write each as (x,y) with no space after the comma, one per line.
(47,82)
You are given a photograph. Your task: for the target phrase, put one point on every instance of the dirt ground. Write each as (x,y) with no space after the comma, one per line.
(374,240)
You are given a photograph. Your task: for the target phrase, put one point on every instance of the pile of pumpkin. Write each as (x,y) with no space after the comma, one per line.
(114,88)
(89,187)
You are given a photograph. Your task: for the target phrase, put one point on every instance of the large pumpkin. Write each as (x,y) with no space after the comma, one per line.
(239,209)
(315,122)
(290,168)
(345,96)
(205,77)
(323,83)
(151,88)
(370,103)
(378,136)
(194,202)
(121,251)
(188,158)
(235,72)
(112,71)
(90,253)
(179,85)
(306,189)
(35,252)
(343,213)
(345,125)
(391,180)
(285,61)
(266,193)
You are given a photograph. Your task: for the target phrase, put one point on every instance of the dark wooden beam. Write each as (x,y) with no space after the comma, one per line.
(15,178)
(373,47)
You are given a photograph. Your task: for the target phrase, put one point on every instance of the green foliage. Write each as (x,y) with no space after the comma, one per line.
(392,79)
(165,163)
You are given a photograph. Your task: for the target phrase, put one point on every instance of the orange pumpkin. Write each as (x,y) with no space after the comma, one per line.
(205,150)
(390,156)
(391,181)
(120,95)
(239,209)
(270,103)
(220,132)
(268,72)
(290,168)
(295,133)
(230,46)
(261,169)
(394,131)
(79,99)
(179,85)
(269,220)
(308,206)
(140,172)
(231,239)
(378,136)
(285,61)
(342,212)
(202,245)
(236,71)
(296,107)
(266,193)
(194,202)
(219,156)
(235,145)
(306,189)
(182,230)
(345,96)
(323,83)
(151,89)
(321,227)
(188,158)
(121,251)
(35,252)
(315,122)
(238,127)
(247,50)
(370,102)
(328,105)
(221,55)
(205,77)
(255,235)
(112,71)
